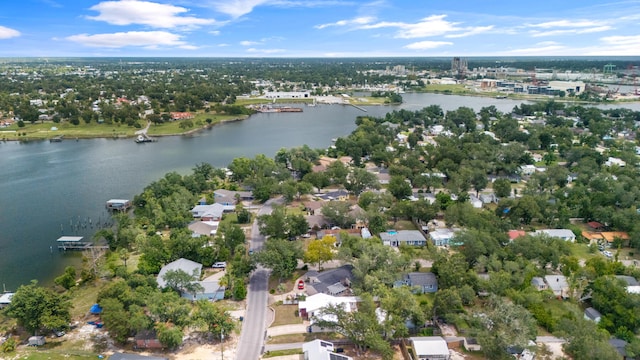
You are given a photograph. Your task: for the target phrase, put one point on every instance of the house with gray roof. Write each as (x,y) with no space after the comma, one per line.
(564,234)
(188,266)
(558,284)
(208,212)
(538,283)
(408,237)
(333,282)
(420,282)
(210,290)
(442,237)
(629,280)
(203,228)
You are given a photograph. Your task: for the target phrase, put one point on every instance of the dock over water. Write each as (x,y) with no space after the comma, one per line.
(75,243)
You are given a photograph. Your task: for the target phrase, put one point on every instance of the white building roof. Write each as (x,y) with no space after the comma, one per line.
(557,233)
(430,345)
(6,298)
(318,301)
(188,266)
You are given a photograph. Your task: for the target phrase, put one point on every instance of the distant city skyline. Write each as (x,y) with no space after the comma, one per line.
(318,28)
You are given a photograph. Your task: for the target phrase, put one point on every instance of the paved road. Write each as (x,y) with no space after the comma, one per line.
(254,325)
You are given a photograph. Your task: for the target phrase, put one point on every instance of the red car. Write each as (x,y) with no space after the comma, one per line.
(300,285)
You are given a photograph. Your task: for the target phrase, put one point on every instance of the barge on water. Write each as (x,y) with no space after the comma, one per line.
(277,109)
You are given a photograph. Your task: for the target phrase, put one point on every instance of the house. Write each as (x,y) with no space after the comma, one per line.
(527,170)
(629,280)
(321,350)
(125,356)
(188,266)
(475,202)
(564,234)
(5,300)
(539,284)
(177,115)
(592,314)
(211,290)
(339,195)
(558,284)
(312,206)
(311,306)
(488,198)
(203,228)
(317,222)
(595,225)
(420,282)
(208,212)
(615,161)
(430,348)
(441,237)
(333,282)
(408,237)
(229,198)
(620,346)
(338,234)
(514,234)
(359,216)
(147,339)
(611,236)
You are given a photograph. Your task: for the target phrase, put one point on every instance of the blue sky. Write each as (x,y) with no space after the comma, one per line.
(318,28)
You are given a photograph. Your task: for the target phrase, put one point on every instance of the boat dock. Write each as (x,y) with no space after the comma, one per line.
(56,139)
(358,107)
(75,243)
(118,204)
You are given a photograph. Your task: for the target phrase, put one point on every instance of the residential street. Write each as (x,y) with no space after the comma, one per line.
(254,325)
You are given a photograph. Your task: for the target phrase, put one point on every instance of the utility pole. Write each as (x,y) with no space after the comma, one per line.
(222,344)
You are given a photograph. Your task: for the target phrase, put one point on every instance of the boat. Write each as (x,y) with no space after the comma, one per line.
(56,139)
(144,139)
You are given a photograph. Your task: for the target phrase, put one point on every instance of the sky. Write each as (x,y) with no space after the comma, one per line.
(318,28)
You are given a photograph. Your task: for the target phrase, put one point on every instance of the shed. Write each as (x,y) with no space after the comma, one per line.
(430,347)
(592,314)
(37,341)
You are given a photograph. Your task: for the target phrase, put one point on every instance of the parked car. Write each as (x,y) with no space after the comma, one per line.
(219,265)
(300,285)
(607,253)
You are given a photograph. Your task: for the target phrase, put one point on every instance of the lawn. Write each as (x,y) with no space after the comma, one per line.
(295,338)
(83,297)
(200,121)
(46,353)
(70,131)
(277,353)
(286,314)
(287,284)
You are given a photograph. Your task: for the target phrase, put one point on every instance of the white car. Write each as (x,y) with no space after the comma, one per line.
(607,254)
(219,265)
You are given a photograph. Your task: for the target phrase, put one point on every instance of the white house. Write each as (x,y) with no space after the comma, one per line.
(527,170)
(321,350)
(441,237)
(558,284)
(208,212)
(311,306)
(592,314)
(5,300)
(564,234)
(615,161)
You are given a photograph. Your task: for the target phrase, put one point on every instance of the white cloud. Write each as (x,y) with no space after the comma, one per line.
(7,33)
(265,51)
(546,48)
(214,32)
(567,23)
(356,21)
(472,31)
(149,39)
(430,26)
(127,12)
(237,8)
(536,33)
(249,43)
(426,45)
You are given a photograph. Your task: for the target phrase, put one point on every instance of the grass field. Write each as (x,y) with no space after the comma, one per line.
(286,314)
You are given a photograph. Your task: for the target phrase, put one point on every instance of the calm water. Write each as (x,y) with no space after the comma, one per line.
(53,189)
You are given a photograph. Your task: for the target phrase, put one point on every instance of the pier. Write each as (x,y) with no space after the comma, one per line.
(358,107)
(56,139)
(75,243)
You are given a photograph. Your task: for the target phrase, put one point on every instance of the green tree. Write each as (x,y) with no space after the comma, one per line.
(320,251)
(502,187)
(169,336)
(359,180)
(37,308)
(504,325)
(338,213)
(213,317)
(68,279)
(281,256)
(399,188)
(116,319)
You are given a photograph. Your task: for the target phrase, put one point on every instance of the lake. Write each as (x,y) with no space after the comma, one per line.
(53,189)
